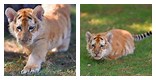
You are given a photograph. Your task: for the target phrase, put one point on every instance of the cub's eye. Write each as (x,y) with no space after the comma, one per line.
(102,46)
(31,28)
(19,28)
(93,45)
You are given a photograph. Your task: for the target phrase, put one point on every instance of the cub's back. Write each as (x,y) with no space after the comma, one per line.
(57,20)
(122,43)
(57,13)
(121,35)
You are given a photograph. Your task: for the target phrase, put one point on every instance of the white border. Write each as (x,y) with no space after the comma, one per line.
(2,40)
(77,2)
(78,39)
(153,40)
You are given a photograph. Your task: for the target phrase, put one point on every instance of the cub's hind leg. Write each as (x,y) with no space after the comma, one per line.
(65,45)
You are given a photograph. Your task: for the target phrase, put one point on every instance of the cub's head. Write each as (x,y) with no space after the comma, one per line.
(98,45)
(24,24)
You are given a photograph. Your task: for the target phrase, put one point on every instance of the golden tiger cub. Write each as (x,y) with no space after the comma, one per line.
(112,44)
(40,30)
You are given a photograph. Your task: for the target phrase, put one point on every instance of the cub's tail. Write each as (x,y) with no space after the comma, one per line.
(142,36)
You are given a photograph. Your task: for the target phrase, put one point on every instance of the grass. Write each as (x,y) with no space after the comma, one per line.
(100,18)
(57,64)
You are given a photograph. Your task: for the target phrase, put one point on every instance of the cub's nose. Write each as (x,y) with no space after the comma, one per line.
(25,40)
(96,52)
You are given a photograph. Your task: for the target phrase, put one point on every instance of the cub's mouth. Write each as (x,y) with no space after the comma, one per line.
(97,57)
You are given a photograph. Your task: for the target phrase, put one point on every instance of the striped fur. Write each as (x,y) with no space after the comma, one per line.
(112,44)
(142,36)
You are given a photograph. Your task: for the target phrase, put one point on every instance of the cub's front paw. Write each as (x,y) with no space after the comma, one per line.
(31,69)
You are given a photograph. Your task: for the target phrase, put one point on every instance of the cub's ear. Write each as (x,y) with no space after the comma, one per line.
(10,13)
(109,36)
(88,36)
(38,12)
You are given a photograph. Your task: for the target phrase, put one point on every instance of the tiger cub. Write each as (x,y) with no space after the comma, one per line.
(40,30)
(112,44)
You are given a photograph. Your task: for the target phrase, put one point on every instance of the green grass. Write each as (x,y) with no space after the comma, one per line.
(57,64)
(100,18)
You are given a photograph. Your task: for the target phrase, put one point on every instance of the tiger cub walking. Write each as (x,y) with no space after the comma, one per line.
(40,30)
(112,44)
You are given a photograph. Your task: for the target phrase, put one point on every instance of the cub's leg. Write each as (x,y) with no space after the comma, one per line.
(36,58)
(64,46)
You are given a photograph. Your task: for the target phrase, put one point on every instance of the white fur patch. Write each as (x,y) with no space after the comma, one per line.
(102,42)
(18,23)
(31,24)
(93,42)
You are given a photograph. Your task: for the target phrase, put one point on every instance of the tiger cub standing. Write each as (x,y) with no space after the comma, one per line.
(40,30)
(112,44)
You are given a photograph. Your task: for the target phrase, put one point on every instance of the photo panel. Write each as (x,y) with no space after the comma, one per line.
(115,40)
(40,39)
